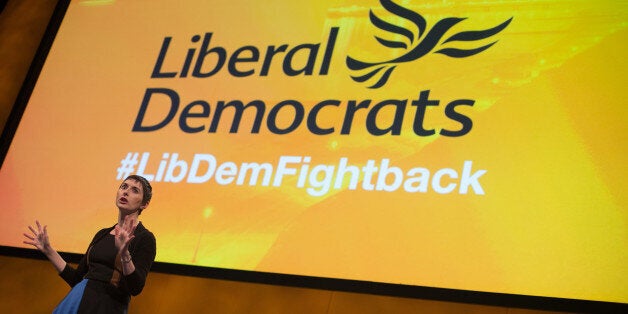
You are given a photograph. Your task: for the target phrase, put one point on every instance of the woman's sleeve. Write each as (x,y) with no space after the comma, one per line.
(73,276)
(143,255)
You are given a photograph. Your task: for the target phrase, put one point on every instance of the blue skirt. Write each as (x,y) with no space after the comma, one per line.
(71,302)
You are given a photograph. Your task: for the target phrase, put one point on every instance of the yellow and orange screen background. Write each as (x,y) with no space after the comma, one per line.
(549,130)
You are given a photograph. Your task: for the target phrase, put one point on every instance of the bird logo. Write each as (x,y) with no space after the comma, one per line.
(417,45)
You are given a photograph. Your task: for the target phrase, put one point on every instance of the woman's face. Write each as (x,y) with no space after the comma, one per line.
(129,196)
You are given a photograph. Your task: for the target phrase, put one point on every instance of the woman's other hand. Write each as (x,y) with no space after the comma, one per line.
(38,238)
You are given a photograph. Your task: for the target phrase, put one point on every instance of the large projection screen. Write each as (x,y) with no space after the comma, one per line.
(475,146)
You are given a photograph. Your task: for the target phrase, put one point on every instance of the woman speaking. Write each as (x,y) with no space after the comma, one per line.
(116,262)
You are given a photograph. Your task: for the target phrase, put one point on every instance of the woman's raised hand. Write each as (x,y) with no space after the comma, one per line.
(124,234)
(38,237)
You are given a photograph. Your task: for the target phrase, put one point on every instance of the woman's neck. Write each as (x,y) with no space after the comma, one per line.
(133,216)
